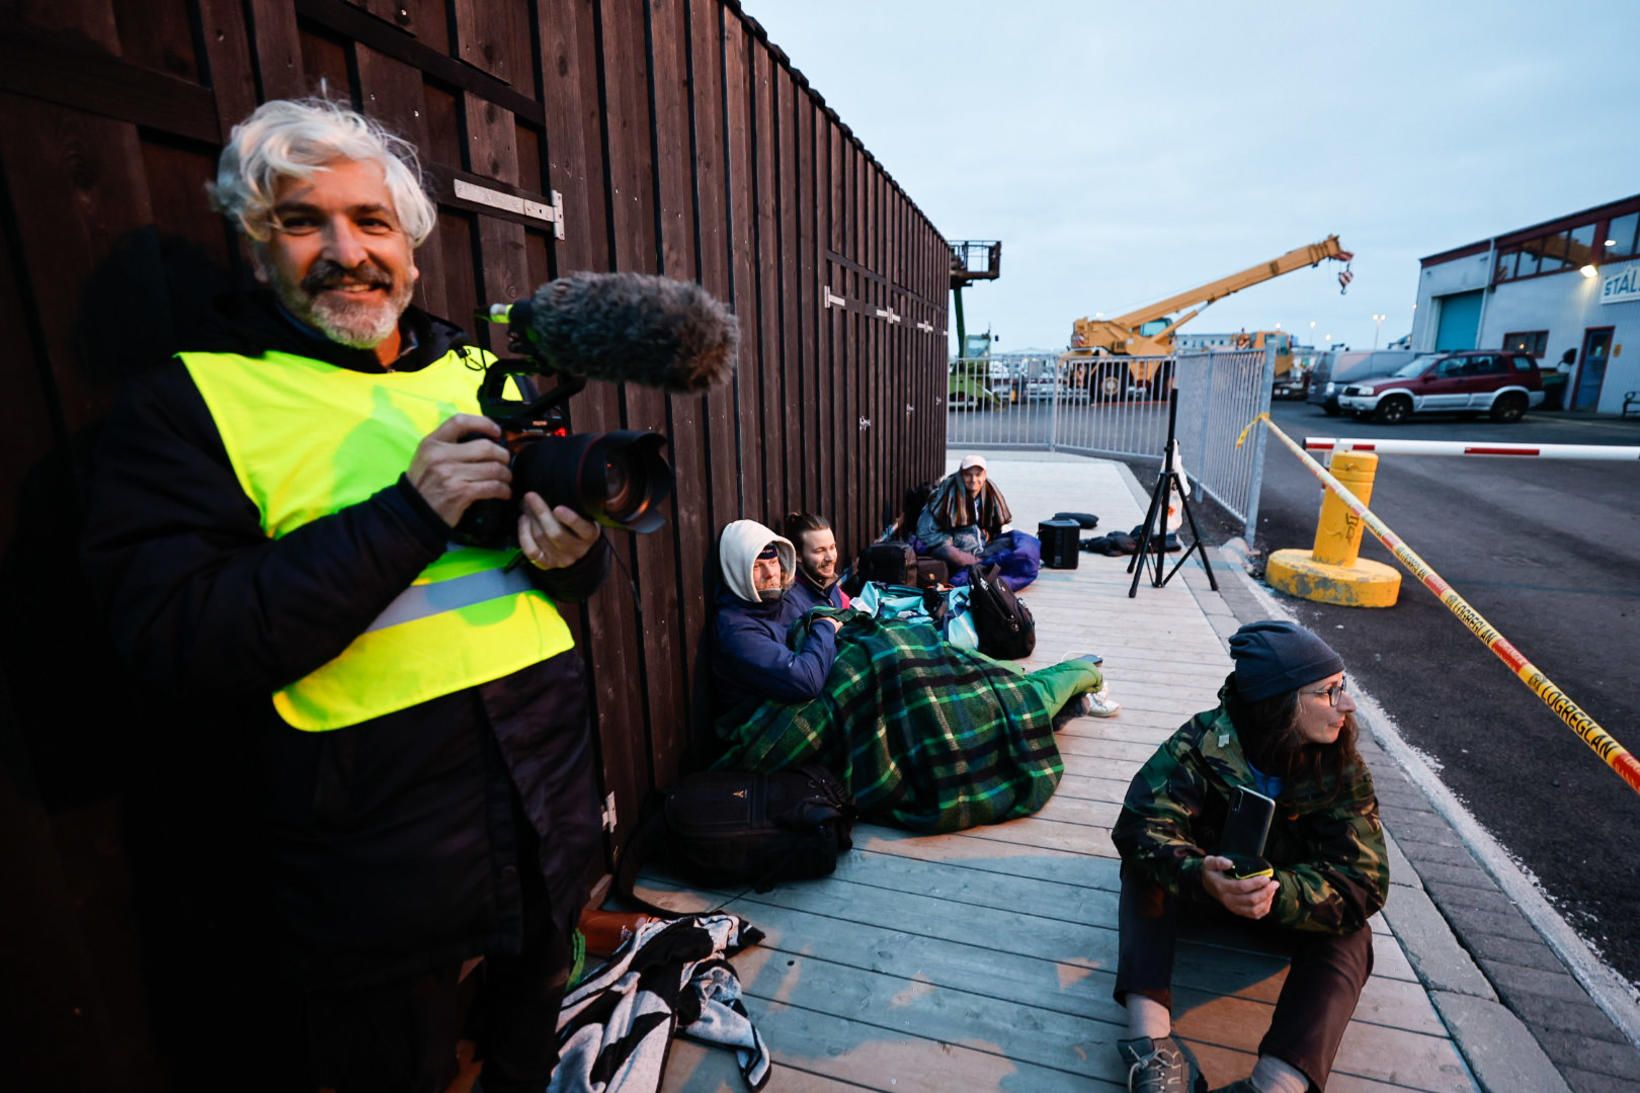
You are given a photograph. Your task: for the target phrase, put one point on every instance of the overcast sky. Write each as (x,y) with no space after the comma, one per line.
(1127,151)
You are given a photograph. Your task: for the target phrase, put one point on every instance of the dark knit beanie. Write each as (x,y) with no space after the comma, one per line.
(1273,658)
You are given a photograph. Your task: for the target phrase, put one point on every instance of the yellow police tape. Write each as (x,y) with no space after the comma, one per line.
(1613,754)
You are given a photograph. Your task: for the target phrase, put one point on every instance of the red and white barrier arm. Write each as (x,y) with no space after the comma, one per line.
(1611,453)
(1613,754)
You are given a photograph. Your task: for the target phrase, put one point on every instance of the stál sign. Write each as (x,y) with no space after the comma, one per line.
(1621,286)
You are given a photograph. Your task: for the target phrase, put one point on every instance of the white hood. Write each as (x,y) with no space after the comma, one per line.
(738,547)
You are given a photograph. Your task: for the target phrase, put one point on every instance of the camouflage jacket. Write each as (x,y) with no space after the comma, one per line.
(1328,854)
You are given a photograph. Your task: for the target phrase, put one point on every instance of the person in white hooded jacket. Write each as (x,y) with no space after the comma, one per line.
(753,661)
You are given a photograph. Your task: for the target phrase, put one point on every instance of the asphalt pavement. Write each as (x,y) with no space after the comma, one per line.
(1549,552)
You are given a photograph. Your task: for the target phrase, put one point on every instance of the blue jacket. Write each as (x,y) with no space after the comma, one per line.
(806,593)
(752,661)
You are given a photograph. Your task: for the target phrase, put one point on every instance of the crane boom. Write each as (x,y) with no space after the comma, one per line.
(1122,335)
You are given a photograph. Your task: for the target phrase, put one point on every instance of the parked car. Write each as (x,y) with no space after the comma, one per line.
(1500,383)
(1340,365)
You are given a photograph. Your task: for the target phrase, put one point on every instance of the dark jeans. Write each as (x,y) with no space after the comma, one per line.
(1322,988)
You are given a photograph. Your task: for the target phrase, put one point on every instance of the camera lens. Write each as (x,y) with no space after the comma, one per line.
(618,479)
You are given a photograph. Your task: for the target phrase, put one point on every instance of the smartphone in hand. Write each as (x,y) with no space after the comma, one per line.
(1245,830)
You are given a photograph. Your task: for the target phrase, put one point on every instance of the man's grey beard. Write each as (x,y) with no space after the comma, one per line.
(769,595)
(354,324)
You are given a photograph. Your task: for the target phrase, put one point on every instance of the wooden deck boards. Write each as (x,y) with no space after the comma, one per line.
(985,959)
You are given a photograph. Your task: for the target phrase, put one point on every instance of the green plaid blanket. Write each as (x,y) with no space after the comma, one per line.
(926,735)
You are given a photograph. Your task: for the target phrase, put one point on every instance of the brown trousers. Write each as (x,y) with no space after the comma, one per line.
(1322,988)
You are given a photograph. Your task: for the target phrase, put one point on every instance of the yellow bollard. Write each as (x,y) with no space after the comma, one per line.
(1333,571)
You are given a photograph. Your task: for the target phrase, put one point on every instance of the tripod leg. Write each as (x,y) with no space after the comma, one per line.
(1137,565)
(1196,544)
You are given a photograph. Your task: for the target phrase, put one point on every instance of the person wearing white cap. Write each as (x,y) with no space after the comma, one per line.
(965,511)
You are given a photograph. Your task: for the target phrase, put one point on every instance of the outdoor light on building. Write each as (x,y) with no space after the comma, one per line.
(1377,328)
(1590,270)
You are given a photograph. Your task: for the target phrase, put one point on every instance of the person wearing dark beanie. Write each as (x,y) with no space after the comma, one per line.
(1284,728)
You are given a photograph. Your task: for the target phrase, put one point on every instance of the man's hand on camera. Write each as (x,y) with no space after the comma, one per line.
(552,538)
(1249,898)
(451,473)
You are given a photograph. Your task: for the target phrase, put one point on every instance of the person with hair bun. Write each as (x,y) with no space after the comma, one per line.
(816,583)
(1285,728)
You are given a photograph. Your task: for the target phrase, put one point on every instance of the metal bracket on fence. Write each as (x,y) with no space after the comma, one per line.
(833,300)
(865,423)
(927,328)
(887,313)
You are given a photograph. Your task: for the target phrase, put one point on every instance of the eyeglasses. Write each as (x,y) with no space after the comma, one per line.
(1332,693)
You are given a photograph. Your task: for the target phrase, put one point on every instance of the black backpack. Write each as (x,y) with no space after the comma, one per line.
(1006,629)
(733,828)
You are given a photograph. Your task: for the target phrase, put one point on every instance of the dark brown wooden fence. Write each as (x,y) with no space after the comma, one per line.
(681,142)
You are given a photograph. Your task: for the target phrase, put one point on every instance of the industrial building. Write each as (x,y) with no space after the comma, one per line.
(1565,287)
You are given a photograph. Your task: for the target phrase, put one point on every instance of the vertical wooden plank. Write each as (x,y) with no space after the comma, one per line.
(794,438)
(836,183)
(737,88)
(492,136)
(223,29)
(768,280)
(158,34)
(325,62)
(494,37)
(712,237)
(78,181)
(691,532)
(816,447)
(569,73)
(279,72)
(629,126)
(391,92)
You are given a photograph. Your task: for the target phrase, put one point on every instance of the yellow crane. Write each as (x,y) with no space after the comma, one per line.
(1148,331)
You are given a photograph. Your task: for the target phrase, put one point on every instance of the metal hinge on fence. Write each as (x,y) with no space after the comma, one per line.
(833,300)
(887,313)
(865,423)
(927,328)
(513,203)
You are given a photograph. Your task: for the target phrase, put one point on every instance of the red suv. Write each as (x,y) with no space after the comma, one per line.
(1473,381)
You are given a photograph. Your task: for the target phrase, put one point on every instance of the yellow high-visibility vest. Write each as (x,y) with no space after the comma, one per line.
(307,439)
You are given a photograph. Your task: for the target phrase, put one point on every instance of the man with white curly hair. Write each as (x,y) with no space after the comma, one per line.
(404,718)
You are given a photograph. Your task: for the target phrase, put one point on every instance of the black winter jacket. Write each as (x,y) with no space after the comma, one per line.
(394,843)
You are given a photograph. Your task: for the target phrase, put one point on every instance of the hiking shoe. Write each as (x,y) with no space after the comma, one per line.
(1160,1066)
(1100,704)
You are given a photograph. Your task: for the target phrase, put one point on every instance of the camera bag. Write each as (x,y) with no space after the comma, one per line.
(1006,629)
(723,827)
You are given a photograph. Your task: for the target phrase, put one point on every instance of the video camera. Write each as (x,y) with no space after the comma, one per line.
(619,327)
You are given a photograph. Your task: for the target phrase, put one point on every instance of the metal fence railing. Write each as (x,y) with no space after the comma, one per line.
(1116,407)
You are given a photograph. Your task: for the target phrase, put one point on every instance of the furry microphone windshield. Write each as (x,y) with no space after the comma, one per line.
(632,327)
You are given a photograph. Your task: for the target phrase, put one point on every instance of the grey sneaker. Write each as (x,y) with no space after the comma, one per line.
(1160,1066)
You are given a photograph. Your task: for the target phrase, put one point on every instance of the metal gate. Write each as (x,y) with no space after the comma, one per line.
(1116,407)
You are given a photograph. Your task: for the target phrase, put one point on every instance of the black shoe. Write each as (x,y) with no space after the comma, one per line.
(1160,1066)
